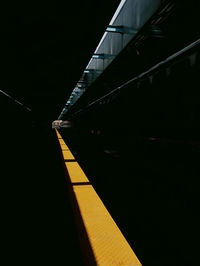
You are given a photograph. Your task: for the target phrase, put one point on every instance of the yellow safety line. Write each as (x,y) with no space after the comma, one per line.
(107,244)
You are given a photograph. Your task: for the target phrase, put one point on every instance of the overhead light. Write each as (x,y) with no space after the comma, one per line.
(112,28)
(102,56)
(120,29)
(98,56)
(92,70)
(156,31)
(88,70)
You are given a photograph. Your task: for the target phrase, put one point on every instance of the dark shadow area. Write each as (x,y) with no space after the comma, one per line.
(80,183)
(69,160)
(37,225)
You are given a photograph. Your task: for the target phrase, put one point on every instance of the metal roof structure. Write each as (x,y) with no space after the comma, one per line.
(126,22)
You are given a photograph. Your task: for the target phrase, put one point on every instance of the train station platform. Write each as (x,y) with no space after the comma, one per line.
(152,196)
(41,220)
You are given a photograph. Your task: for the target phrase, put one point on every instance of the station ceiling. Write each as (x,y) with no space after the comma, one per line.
(44,50)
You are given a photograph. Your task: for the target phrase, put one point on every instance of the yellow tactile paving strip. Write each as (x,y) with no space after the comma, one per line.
(108,245)
(67,155)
